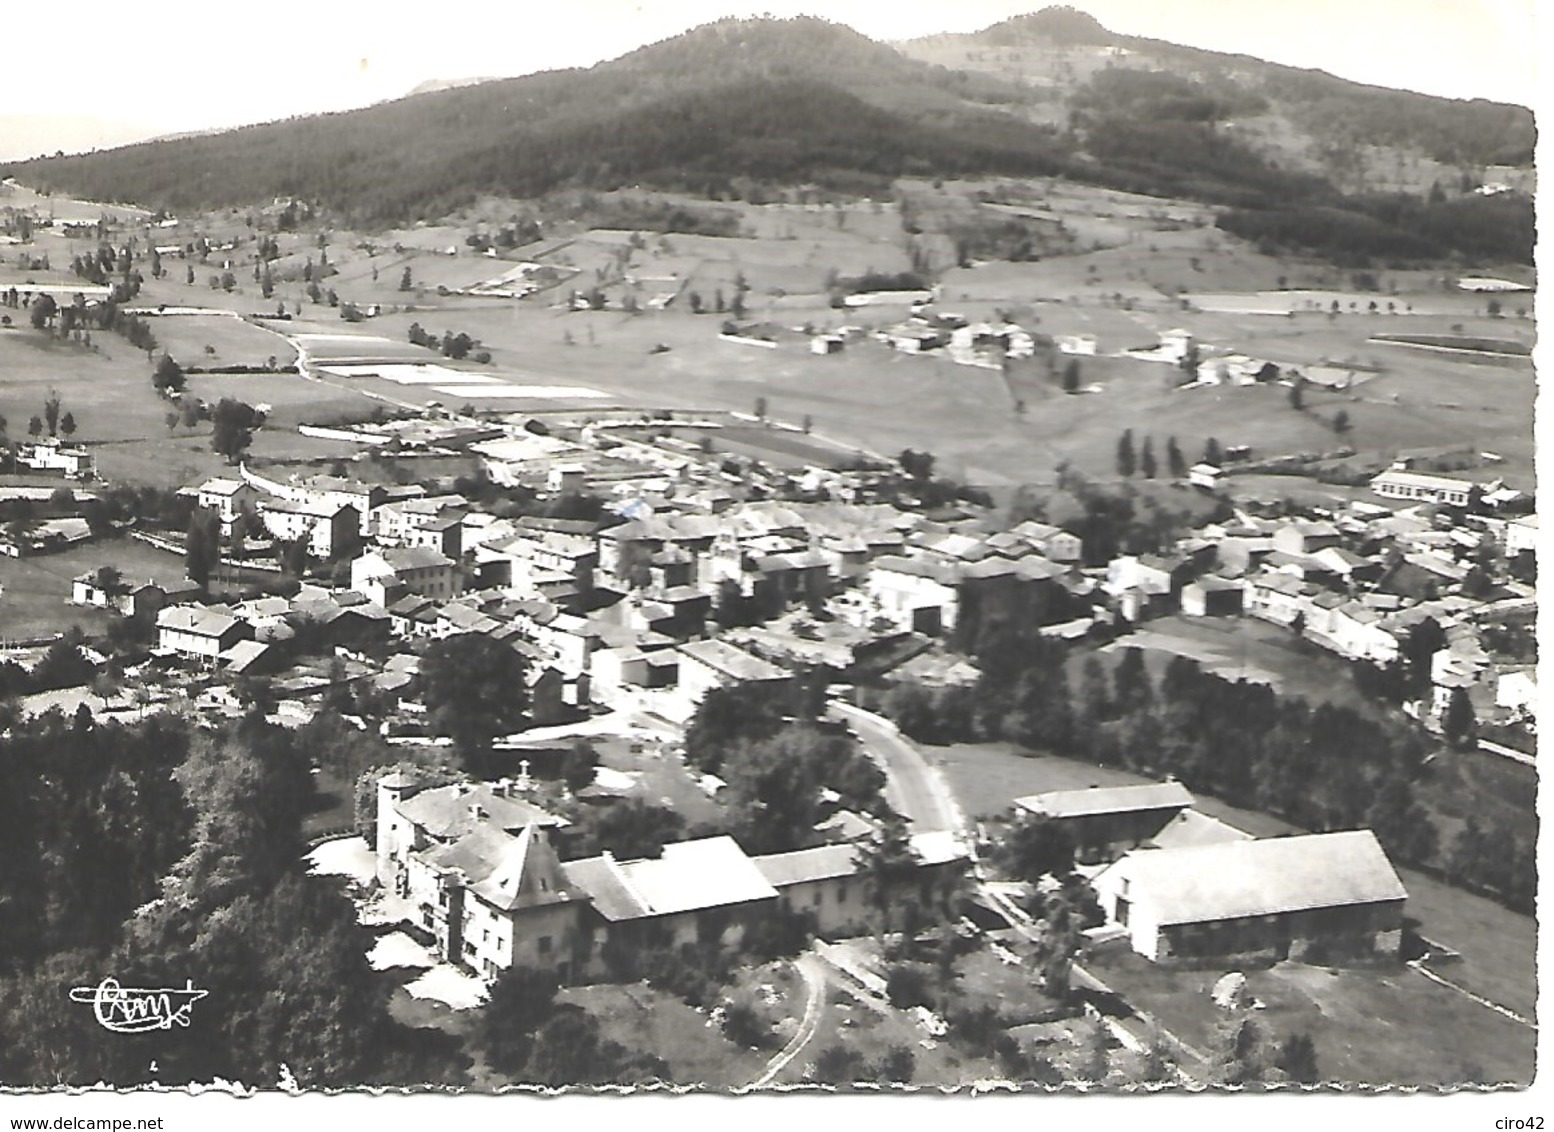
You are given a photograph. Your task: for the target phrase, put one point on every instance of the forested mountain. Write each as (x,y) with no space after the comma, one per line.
(1059,50)
(804,101)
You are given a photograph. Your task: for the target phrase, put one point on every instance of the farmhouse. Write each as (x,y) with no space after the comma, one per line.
(1422,488)
(1104,822)
(230,499)
(195,630)
(695,890)
(52,456)
(1320,897)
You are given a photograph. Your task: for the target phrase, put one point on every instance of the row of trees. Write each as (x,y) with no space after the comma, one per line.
(455,346)
(1143,460)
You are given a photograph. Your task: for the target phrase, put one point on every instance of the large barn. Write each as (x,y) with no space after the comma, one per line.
(1106,821)
(1319,897)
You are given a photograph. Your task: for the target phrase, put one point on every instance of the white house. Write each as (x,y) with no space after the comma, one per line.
(1521,534)
(1205,476)
(330,528)
(1517,692)
(705,665)
(199,631)
(228,498)
(1421,488)
(52,456)
(913,595)
(384,576)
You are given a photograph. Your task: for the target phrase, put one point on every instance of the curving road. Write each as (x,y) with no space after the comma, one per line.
(912,787)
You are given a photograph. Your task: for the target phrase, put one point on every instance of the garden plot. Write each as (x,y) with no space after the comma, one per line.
(409,373)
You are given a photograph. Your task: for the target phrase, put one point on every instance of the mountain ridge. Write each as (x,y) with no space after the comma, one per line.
(806,101)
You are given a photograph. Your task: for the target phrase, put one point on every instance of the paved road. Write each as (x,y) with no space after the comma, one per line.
(912,787)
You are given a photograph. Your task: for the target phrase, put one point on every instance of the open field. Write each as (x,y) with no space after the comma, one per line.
(36,596)
(1388,1026)
(235,342)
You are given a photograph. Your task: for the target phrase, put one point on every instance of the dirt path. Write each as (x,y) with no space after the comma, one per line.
(813,973)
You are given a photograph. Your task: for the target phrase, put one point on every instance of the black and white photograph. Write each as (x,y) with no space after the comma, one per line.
(693,549)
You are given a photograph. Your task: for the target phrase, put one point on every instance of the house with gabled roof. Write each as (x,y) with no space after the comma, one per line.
(200,631)
(1319,897)
(694,891)
(387,575)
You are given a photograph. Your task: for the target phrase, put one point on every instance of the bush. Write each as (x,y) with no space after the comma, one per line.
(746,1024)
(910,984)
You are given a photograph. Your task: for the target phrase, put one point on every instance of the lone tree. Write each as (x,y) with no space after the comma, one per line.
(1341,424)
(233,423)
(1297,395)
(1176,463)
(522,1000)
(1071,376)
(1034,848)
(51,411)
(1298,1059)
(579,765)
(1147,458)
(168,375)
(202,546)
(67,425)
(474,691)
(404,279)
(44,308)
(1127,463)
(35,426)
(1212,454)
(1459,722)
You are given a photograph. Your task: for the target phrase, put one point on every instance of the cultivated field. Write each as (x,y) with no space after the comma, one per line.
(1136,259)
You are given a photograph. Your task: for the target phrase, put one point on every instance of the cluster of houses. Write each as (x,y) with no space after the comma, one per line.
(486,875)
(690,587)
(1356,583)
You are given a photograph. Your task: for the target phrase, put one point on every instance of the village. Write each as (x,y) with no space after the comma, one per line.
(695,574)
(1033,675)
